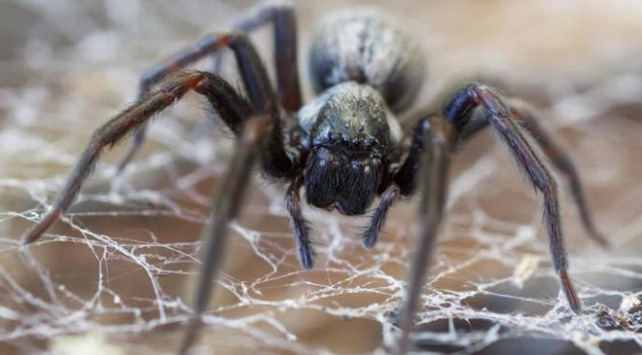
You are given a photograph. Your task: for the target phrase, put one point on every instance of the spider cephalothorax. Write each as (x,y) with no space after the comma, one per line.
(346,146)
(352,145)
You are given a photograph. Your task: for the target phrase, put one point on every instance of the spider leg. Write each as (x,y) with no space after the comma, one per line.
(378,219)
(107,135)
(439,137)
(233,109)
(526,117)
(281,15)
(459,112)
(403,184)
(300,226)
(530,163)
(285,38)
(406,176)
(225,208)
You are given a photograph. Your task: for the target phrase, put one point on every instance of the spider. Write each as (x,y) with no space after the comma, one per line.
(346,146)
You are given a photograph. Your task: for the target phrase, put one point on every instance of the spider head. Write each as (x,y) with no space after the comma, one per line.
(338,177)
(351,141)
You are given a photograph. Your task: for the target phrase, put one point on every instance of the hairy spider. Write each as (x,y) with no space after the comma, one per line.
(346,146)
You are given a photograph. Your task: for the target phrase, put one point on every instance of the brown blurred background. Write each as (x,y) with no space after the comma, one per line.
(109,277)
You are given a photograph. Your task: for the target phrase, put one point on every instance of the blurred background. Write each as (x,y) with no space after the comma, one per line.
(112,276)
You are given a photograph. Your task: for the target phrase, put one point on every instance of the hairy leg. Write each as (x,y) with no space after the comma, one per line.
(378,219)
(225,209)
(438,136)
(110,133)
(173,89)
(283,18)
(530,163)
(300,226)
(403,184)
(526,117)
(248,63)
(460,111)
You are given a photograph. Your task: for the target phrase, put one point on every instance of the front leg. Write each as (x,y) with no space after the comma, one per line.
(232,107)
(108,135)
(527,118)
(459,111)
(300,226)
(225,208)
(404,181)
(437,138)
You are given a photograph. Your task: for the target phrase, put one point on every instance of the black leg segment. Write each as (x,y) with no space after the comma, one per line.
(529,162)
(439,138)
(406,176)
(253,74)
(109,134)
(300,226)
(378,219)
(216,90)
(225,208)
(281,15)
(526,117)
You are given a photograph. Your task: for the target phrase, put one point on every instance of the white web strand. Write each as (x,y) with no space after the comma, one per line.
(116,269)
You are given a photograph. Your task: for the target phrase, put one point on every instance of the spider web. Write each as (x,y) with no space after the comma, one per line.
(112,275)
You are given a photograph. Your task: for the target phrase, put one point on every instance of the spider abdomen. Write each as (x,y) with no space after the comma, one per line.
(364,46)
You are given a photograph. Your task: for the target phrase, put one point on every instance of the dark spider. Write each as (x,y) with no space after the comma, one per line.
(345,146)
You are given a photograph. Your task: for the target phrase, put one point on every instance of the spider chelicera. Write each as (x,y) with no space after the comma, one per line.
(346,146)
